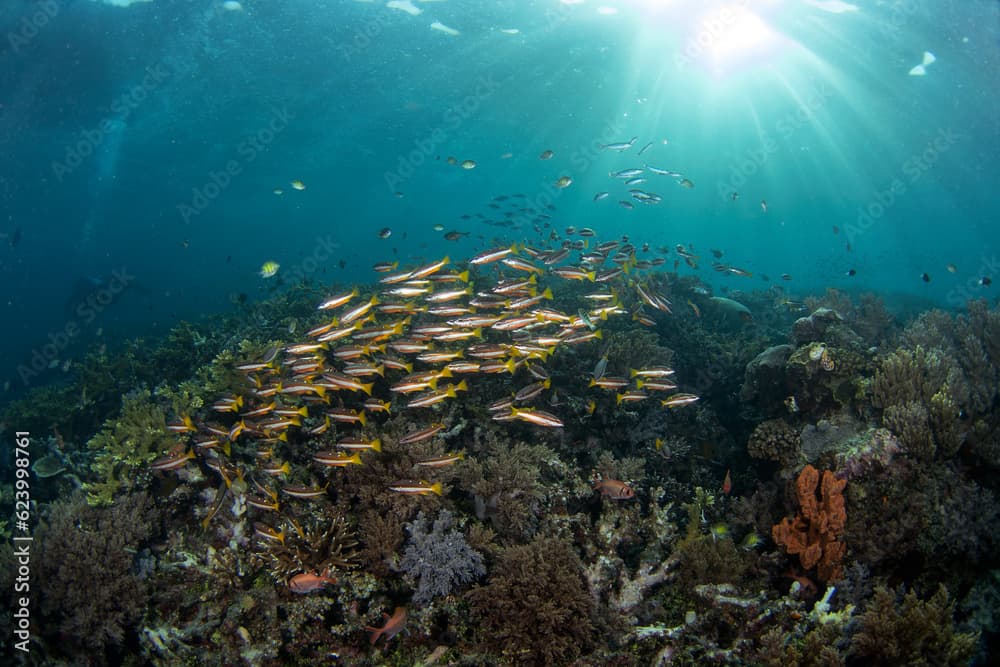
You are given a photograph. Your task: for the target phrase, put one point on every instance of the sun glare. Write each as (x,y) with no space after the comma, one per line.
(737,32)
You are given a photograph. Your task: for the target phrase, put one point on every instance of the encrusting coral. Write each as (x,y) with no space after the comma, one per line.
(814,534)
(775,440)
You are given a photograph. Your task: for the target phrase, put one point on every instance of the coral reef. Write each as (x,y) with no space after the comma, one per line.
(815,532)
(507,554)
(438,558)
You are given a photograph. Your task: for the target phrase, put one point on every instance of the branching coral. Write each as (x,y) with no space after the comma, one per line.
(911,631)
(126,445)
(814,534)
(921,392)
(535,608)
(89,592)
(316,550)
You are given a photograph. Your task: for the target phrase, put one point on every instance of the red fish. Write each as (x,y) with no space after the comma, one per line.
(307,582)
(727,484)
(393,626)
(614,489)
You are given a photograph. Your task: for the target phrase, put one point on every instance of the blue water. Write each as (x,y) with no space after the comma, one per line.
(116,123)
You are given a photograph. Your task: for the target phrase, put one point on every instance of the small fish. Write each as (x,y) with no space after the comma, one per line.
(601,195)
(719,531)
(763,206)
(564,182)
(265,531)
(468,164)
(298,185)
(644,148)
(677,400)
(614,489)
(734,195)
(304,491)
(952,268)
(600,368)
(925,277)
(621,146)
(269,268)
(454,235)
(393,626)
(685,183)
(985,281)
(307,582)
(174,462)
(786,276)
(384,233)
(422,434)
(546,155)
(751,541)
(537,417)
(337,460)
(441,461)
(416,488)
(439,227)
(851,273)
(694,308)
(727,484)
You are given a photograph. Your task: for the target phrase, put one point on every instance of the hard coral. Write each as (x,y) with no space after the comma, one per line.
(315,549)
(814,534)
(911,632)
(921,392)
(125,446)
(90,594)
(775,440)
(536,608)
